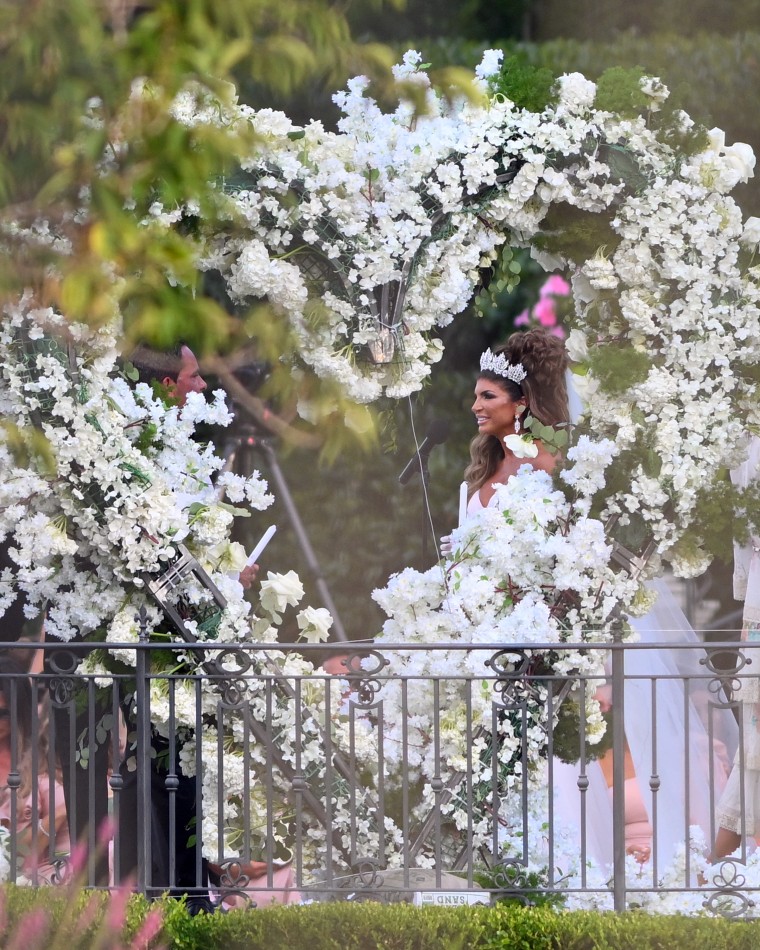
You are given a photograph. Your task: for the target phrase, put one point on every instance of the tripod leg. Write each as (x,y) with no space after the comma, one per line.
(303,539)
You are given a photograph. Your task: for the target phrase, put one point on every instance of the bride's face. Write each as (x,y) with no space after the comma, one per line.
(494,409)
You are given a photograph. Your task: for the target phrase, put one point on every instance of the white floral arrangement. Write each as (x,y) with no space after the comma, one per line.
(119,483)
(367,239)
(532,570)
(101,505)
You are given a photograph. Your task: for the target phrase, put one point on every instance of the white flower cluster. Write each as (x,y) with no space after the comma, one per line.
(335,225)
(532,571)
(118,483)
(102,481)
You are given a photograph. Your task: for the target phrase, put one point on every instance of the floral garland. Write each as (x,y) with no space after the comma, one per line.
(369,238)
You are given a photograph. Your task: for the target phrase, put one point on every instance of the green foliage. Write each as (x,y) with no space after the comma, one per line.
(59,919)
(72,918)
(623,166)
(529,87)
(73,125)
(574,233)
(712,77)
(617,369)
(554,438)
(514,888)
(724,514)
(501,279)
(566,744)
(588,19)
(619,90)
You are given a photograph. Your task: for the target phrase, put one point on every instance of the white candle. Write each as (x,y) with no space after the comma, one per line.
(462,503)
(265,539)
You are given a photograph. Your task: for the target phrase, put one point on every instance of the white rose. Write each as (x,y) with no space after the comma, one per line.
(741,158)
(751,233)
(229,556)
(576,345)
(279,591)
(314,624)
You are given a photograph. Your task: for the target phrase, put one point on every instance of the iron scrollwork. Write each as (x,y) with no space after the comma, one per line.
(728,900)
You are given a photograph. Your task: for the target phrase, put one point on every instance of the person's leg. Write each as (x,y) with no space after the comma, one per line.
(726,842)
(191,868)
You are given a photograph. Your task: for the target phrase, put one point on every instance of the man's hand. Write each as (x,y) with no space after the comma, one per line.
(248,575)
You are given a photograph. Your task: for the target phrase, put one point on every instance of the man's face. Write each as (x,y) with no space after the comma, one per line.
(189,379)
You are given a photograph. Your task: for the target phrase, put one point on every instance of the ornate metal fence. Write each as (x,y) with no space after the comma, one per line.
(378,784)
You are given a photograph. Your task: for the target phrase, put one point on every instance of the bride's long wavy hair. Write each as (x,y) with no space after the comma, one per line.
(544,389)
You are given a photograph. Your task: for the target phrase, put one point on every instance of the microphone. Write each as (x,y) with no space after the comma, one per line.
(438,432)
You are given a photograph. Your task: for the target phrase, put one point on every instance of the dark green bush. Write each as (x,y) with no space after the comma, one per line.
(62,919)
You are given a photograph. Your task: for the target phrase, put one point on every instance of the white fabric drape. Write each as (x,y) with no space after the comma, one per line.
(676,729)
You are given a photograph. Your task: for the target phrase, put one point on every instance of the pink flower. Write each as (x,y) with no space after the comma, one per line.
(150,929)
(557,285)
(545,312)
(523,320)
(32,931)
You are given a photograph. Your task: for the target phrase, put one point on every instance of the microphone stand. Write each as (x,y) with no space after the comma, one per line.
(250,438)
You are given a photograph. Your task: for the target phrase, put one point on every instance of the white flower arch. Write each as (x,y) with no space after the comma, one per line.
(367,239)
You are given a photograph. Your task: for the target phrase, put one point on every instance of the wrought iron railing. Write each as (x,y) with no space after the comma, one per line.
(368,793)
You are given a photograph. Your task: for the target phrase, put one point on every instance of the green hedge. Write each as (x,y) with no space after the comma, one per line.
(61,920)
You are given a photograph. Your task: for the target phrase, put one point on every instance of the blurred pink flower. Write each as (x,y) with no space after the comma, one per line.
(32,931)
(151,927)
(117,910)
(523,319)
(557,285)
(545,312)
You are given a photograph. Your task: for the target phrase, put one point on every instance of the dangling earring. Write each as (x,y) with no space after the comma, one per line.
(517,424)
(519,410)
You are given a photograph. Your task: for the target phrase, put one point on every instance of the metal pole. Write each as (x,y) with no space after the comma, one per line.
(424,482)
(142,714)
(618,766)
(303,538)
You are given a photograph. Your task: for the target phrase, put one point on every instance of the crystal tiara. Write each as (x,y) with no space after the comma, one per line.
(499,365)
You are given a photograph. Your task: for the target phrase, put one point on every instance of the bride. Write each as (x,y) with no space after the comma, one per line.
(679,739)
